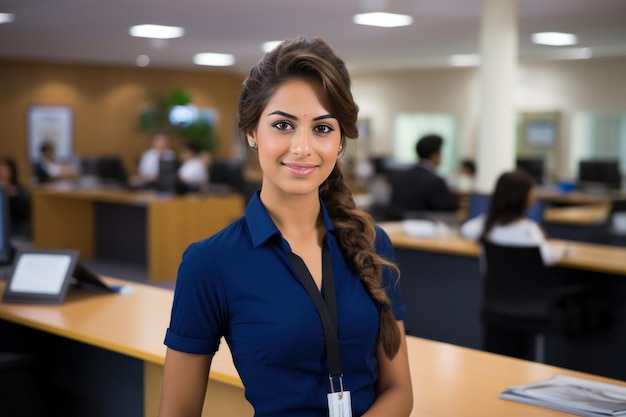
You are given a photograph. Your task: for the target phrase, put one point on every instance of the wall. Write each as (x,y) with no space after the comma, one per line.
(106,101)
(564,86)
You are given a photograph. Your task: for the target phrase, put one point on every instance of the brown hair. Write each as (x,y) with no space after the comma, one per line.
(315,59)
(509,200)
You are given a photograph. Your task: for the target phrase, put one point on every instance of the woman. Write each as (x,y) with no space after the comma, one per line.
(244,283)
(193,172)
(505,223)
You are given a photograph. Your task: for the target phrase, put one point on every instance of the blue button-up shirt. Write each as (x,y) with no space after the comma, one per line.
(240,284)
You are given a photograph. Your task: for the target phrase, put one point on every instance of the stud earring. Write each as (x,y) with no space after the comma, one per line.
(252,144)
(340,148)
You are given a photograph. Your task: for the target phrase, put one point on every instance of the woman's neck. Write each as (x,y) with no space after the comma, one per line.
(297,217)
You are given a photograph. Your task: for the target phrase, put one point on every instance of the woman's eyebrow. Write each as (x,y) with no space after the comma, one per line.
(291,116)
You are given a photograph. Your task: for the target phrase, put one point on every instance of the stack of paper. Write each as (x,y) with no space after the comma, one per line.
(572,395)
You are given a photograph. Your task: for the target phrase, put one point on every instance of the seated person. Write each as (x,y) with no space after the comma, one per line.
(420,189)
(193,172)
(148,169)
(48,169)
(505,223)
(19,200)
(465,176)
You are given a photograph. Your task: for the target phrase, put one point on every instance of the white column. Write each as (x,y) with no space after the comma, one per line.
(498,49)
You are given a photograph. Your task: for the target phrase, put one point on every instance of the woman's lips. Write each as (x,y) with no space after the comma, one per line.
(300,170)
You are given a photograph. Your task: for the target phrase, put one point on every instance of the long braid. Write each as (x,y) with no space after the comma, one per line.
(356,235)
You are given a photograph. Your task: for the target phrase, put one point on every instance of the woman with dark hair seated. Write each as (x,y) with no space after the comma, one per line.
(505,222)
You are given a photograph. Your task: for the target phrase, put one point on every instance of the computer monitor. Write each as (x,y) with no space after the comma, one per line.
(534,166)
(111,170)
(226,174)
(6,249)
(168,175)
(600,172)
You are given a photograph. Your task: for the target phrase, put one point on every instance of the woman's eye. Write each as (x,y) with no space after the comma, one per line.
(323,129)
(282,125)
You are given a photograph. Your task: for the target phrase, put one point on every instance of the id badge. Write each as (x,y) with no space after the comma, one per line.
(339,404)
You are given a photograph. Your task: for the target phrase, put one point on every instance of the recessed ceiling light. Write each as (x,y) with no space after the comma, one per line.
(214,60)
(156,31)
(464,60)
(270,45)
(387,20)
(555,38)
(6,17)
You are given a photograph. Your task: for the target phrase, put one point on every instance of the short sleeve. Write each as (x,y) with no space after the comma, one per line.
(472,228)
(549,254)
(199,311)
(390,279)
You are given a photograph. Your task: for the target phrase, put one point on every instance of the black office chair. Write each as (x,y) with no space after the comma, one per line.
(522,304)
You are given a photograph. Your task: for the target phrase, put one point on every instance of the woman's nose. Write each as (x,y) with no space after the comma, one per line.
(301,142)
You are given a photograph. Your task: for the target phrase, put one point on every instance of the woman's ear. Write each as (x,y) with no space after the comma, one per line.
(251,139)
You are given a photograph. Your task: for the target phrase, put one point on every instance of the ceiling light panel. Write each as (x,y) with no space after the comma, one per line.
(157,31)
(6,17)
(381,19)
(213,59)
(554,38)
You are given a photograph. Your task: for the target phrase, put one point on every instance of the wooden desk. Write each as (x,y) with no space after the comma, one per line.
(134,326)
(587,256)
(447,379)
(441,287)
(67,219)
(584,215)
(575,197)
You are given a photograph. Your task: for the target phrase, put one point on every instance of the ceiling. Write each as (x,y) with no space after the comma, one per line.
(96,31)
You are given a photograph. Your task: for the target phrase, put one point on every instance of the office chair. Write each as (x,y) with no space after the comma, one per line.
(521,301)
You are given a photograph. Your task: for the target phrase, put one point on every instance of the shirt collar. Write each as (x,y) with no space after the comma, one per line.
(262,227)
(426,164)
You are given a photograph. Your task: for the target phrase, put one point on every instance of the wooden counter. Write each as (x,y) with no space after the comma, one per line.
(67,219)
(133,325)
(586,256)
(447,379)
(585,215)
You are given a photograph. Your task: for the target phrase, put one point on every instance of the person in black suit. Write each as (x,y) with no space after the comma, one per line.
(420,189)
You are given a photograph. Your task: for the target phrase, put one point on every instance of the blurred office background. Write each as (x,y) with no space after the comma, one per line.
(407,80)
(569,100)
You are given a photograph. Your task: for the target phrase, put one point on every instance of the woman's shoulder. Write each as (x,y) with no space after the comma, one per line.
(472,228)
(382,242)
(225,243)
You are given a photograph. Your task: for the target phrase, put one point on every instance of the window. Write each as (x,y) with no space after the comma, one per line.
(409,127)
(598,135)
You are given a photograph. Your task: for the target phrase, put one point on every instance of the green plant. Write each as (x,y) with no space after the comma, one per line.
(199,131)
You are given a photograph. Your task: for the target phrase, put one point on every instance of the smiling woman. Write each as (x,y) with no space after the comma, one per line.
(303,287)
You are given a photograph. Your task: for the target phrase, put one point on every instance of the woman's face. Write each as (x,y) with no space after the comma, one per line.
(297,140)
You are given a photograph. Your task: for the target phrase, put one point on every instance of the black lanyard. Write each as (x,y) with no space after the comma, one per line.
(326,305)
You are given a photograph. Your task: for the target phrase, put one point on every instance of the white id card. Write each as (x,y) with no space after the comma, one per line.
(339,404)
